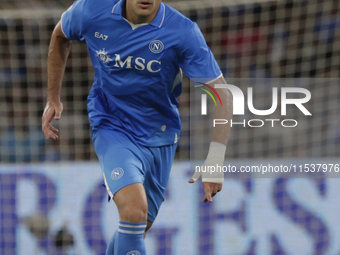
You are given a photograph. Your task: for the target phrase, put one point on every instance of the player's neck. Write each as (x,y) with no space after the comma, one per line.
(137,19)
(134,18)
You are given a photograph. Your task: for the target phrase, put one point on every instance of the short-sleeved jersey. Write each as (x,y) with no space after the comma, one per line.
(136,66)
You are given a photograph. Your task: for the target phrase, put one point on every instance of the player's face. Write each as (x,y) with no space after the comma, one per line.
(141,11)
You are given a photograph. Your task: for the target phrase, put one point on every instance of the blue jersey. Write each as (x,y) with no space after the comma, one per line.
(136,66)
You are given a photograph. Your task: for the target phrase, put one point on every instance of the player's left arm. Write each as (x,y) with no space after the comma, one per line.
(212,182)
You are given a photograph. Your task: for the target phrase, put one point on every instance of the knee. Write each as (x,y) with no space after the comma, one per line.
(132,203)
(134,214)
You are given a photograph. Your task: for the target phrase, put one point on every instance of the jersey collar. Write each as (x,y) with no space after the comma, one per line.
(117,10)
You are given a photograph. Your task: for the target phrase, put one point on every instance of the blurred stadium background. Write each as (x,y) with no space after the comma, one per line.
(51,199)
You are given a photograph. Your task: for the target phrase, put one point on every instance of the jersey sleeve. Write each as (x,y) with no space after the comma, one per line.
(71,21)
(196,59)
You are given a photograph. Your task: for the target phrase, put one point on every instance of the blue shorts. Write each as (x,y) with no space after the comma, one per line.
(125,162)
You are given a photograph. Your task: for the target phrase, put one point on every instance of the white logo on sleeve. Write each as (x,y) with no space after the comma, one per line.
(117,173)
(133,253)
(103,56)
(156,46)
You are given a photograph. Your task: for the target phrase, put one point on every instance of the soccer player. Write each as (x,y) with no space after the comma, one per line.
(138,49)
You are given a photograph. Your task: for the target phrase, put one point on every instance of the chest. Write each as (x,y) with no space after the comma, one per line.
(119,46)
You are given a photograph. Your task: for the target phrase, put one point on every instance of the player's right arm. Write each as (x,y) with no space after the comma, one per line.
(57,56)
(197,61)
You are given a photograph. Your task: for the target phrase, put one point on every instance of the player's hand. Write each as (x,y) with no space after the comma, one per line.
(52,109)
(212,182)
(210,189)
(212,171)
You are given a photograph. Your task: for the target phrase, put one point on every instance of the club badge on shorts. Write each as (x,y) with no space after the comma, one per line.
(133,253)
(117,173)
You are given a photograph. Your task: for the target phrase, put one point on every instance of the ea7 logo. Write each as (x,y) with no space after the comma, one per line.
(238,100)
(101,36)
